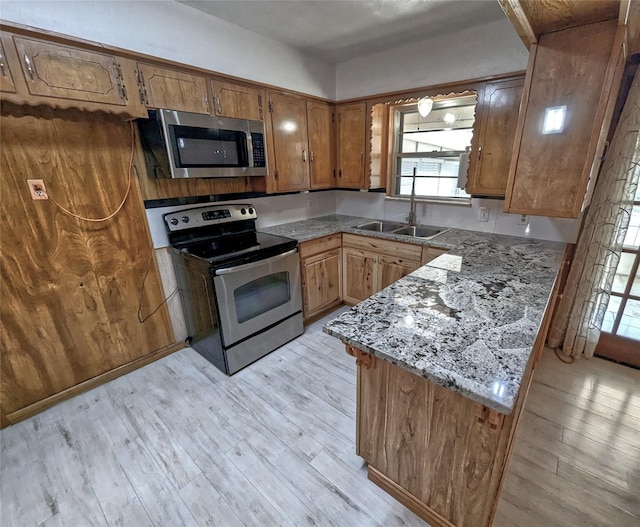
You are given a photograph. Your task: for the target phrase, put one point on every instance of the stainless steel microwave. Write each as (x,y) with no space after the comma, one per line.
(193,145)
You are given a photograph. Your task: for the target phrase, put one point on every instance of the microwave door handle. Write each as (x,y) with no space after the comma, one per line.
(251,265)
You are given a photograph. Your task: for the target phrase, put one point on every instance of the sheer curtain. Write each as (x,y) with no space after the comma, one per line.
(576,325)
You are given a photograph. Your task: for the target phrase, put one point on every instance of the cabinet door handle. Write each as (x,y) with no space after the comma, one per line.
(27,63)
(311,156)
(216,100)
(304,156)
(340,173)
(479,152)
(2,65)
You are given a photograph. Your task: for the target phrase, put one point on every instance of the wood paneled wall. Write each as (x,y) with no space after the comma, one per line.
(70,289)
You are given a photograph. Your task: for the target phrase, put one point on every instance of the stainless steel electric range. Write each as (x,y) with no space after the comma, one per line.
(240,288)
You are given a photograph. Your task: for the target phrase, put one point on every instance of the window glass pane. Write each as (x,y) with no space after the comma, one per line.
(434,177)
(632,239)
(433,145)
(630,321)
(611,313)
(437,141)
(635,288)
(622,272)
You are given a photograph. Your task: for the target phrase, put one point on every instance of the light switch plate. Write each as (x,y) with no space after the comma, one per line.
(484,214)
(37,189)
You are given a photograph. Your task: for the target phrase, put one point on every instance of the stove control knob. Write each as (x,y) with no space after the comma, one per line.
(185,219)
(250,211)
(173,221)
(243,211)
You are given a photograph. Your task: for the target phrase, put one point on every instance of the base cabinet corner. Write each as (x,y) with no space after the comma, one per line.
(439,453)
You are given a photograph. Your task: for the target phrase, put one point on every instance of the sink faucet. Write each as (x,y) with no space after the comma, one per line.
(411,218)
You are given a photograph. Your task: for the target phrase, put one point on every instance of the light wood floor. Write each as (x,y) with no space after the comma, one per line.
(177,443)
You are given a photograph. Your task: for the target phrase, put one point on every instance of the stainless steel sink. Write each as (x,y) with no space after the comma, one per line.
(392,227)
(379,226)
(419,231)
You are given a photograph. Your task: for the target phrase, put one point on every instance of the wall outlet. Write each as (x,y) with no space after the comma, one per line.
(523,219)
(484,214)
(37,189)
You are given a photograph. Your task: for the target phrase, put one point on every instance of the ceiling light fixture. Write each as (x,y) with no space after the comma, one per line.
(424,106)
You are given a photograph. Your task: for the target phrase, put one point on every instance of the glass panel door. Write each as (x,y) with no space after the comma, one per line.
(620,339)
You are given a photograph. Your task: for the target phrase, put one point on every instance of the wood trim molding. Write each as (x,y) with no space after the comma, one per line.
(60,38)
(362,358)
(407,499)
(493,418)
(520,21)
(436,89)
(35,408)
(412,93)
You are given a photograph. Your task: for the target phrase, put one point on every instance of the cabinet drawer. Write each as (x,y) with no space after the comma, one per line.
(320,245)
(406,251)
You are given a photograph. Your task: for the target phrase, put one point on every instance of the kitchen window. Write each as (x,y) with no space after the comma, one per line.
(436,146)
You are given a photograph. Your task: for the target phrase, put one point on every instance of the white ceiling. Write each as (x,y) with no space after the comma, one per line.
(339,30)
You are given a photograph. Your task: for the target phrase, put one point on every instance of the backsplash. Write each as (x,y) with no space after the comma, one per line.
(376,205)
(273,210)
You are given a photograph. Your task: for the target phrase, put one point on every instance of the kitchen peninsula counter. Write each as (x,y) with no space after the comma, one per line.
(467,321)
(444,360)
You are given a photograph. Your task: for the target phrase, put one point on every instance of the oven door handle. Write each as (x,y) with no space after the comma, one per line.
(251,265)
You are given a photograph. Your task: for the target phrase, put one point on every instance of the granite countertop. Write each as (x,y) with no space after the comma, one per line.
(310,229)
(466,321)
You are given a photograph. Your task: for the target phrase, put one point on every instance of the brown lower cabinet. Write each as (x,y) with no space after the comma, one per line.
(439,453)
(350,268)
(370,264)
(320,262)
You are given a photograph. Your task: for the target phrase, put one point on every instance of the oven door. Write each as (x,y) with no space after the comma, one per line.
(254,296)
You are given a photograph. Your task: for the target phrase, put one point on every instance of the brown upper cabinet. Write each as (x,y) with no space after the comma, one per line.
(237,101)
(67,77)
(492,143)
(320,117)
(351,135)
(6,79)
(290,163)
(173,90)
(376,153)
(580,69)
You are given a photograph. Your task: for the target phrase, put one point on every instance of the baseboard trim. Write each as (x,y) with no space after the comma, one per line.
(408,500)
(37,407)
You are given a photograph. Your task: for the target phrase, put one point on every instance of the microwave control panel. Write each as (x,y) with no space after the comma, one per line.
(257,144)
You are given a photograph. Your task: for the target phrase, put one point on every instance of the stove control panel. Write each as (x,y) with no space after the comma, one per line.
(203,216)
